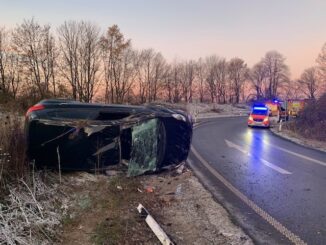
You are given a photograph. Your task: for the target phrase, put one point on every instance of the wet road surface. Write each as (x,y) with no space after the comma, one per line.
(285,180)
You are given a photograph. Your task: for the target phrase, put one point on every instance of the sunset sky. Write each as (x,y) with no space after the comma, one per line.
(188,29)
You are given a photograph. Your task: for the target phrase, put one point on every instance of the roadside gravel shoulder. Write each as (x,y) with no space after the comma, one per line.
(298,139)
(102,210)
(191,215)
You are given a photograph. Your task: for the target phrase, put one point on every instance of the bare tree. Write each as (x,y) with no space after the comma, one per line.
(200,82)
(216,78)
(187,79)
(173,82)
(238,73)
(292,89)
(35,44)
(258,76)
(125,75)
(4,86)
(309,82)
(221,73)
(89,54)
(211,64)
(151,69)
(69,37)
(14,74)
(277,72)
(321,60)
(167,83)
(10,67)
(80,57)
(116,54)
(49,61)
(159,72)
(141,74)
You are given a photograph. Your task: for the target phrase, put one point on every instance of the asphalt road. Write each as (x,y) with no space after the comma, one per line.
(273,188)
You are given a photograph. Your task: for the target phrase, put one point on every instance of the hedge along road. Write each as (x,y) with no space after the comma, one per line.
(273,188)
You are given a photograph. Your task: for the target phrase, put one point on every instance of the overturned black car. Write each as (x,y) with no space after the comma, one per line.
(73,135)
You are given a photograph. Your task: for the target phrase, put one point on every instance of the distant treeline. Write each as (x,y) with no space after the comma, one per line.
(78,61)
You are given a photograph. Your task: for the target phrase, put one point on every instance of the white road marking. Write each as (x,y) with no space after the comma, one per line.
(296,154)
(273,166)
(262,213)
(239,148)
(265,162)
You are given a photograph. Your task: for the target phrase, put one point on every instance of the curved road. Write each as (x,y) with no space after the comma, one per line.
(275,189)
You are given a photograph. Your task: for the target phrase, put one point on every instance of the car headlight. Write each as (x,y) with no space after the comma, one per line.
(250,118)
(266,119)
(179,117)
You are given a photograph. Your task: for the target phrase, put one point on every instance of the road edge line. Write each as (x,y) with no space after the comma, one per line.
(263,214)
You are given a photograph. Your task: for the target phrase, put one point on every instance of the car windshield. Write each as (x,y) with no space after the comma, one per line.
(260,112)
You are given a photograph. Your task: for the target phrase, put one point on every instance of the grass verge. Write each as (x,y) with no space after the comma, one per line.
(30,201)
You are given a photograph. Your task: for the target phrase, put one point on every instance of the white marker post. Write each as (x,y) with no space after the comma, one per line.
(158,231)
(280,127)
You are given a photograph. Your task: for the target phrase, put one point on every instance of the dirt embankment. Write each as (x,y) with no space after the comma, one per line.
(103,210)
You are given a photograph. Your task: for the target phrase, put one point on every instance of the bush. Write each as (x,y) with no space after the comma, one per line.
(311,122)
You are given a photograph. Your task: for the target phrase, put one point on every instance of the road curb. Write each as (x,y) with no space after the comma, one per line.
(296,141)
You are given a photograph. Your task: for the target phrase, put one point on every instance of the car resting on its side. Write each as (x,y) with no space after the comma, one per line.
(84,136)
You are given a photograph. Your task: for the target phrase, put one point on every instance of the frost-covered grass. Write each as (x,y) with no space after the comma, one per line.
(31,211)
(30,208)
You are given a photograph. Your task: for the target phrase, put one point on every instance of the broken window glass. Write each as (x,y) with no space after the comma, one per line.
(144,154)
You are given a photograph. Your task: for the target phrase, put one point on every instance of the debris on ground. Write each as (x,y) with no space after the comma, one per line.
(180,204)
(149,189)
(181,168)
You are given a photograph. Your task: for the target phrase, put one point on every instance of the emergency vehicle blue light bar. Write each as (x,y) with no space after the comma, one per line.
(260,108)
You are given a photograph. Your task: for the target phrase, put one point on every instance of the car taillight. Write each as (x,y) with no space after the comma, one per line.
(36,107)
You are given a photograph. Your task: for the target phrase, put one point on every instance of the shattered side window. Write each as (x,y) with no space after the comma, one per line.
(144,148)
